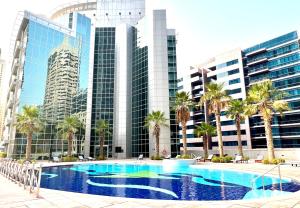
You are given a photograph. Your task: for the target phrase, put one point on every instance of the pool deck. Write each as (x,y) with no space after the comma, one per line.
(13,196)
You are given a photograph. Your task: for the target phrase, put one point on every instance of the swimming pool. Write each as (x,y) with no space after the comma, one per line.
(159,182)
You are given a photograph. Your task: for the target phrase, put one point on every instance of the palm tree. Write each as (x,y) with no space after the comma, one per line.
(205,130)
(217,99)
(28,123)
(264,98)
(236,112)
(182,108)
(68,128)
(154,121)
(102,128)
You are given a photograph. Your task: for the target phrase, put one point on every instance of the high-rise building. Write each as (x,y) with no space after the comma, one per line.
(119,65)
(277,60)
(62,82)
(2,94)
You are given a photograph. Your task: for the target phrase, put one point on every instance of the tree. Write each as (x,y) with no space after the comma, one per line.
(205,130)
(265,99)
(217,99)
(28,123)
(102,128)
(236,111)
(154,121)
(68,128)
(182,108)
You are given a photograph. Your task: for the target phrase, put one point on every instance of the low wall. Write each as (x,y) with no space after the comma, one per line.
(288,154)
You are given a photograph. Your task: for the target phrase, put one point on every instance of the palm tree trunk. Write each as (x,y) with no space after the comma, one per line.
(28,146)
(184,137)
(70,145)
(219,131)
(101,151)
(239,137)
(205,146)
(209,142)
(157,145)
(269,138)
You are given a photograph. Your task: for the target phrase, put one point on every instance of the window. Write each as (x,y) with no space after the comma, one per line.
(234,71)
(228,63)
(234,91)
(234,81)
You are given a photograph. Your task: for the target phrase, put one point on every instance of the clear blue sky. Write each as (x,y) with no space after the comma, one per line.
(205,27)
(208,27)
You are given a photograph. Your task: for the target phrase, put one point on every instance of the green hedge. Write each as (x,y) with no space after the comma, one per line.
(226,159)
(69,159)
(3,155)
(156,158)
(183,157)
(101,158)
(274,161)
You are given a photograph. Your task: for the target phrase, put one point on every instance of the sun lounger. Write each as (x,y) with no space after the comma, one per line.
(91,158)
(199,158)
(237,159)
(295,163)
(259,159)
(209,158)
(167,157)
(141,157)
(81,158)
(56,159)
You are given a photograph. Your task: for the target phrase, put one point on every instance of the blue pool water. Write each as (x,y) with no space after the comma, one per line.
(158,182)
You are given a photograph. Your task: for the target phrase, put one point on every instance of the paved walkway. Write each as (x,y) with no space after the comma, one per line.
(11,195)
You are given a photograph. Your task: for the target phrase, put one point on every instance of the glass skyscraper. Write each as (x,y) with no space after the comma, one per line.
(103,59)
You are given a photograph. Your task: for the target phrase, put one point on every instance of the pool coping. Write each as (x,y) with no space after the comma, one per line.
(294,195)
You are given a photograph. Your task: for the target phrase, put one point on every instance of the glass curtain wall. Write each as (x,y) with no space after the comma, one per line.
(103,85)
(140,134)
(54,75)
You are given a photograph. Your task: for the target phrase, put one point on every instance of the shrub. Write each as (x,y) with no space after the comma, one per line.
(101,158)
(265,162)
(275,161)
(69,159)
(246,158)
(3,155)
(183,157)
(156,158)
(226,159)
(215,159)
(186,157)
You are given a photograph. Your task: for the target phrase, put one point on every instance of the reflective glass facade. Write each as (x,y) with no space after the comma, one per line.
(103,85)
(172,69)
(99,71)
(53,78)
(279,60)
(140,134)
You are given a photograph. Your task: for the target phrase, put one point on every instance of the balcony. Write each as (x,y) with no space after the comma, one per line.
(10,102)
(254,81)
(197,87)
(18,48)
(261,50)
(257,61)
(13,83)
(16,65)
(258,70)
(8,122)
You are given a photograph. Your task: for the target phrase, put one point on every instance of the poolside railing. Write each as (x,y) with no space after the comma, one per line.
(262,176)
(26,174)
